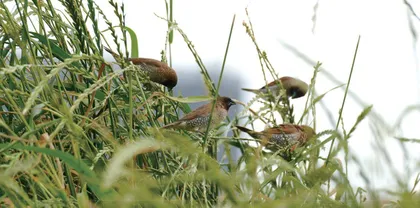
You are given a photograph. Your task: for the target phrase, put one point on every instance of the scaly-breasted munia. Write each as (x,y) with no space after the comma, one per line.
(294,87)
(198,119)
(285,135)
(157,71)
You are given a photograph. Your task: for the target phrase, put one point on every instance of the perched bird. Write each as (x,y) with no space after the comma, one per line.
(285,135)
(198,119)
(157,71)
(294,87)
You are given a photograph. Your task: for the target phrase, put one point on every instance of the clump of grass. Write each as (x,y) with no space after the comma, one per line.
(74,134)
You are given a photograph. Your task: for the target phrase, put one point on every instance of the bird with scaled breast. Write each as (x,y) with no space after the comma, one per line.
(285,135)
(198,119)
(157,71)
(294,87)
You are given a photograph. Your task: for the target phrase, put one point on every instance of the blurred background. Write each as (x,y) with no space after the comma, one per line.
(295,35)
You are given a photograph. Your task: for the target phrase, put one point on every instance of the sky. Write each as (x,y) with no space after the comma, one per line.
(386,72)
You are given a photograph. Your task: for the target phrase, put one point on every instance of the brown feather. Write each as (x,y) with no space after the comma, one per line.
(282,129)
(285,134)
(250,132)
(157,71)
(283,81)
(198,119)
(294,87)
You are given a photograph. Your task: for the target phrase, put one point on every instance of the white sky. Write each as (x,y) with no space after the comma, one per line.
(385,72)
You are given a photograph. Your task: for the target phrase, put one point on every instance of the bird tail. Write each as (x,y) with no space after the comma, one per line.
(115,55)
(167,126)
(110,51)
(173,125)
(251,90)
(249,131)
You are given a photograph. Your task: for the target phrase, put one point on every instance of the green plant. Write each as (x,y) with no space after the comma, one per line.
(74,133)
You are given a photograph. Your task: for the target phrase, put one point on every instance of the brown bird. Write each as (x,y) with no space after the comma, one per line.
(285,135)
(157,71)
(294,87)
(198,119)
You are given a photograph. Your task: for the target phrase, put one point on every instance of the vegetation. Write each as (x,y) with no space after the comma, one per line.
(75,133)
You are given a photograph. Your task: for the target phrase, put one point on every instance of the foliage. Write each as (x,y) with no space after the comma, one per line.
(74,133)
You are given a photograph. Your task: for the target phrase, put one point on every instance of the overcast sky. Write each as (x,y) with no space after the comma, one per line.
(386,72)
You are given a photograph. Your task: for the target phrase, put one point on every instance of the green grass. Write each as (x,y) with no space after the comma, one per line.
(73,133)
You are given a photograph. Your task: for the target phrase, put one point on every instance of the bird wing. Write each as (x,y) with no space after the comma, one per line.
(147,64)
(273,87)
(199,112)
(284,81)
(283,135)
(282,129)
(273,83)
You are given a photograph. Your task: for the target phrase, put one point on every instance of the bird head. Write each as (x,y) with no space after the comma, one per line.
(171,81)
(297,92)
(226,102)
(295,88)
(308,130)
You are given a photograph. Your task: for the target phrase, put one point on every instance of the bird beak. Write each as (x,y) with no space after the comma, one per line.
(235,101)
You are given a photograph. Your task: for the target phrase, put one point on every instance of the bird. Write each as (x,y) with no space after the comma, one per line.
(157,71)
(283,136)
(198,119)
(294,87)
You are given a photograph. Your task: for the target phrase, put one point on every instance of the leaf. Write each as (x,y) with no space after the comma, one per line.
(37,109)
(100,95)
(317,99)
(403,139)
(190,99)
(55,49)
(134,42)
(116,167)
(171,19)
(78,165)
(362,116)
(409,109)
(324,173)
(4,51)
